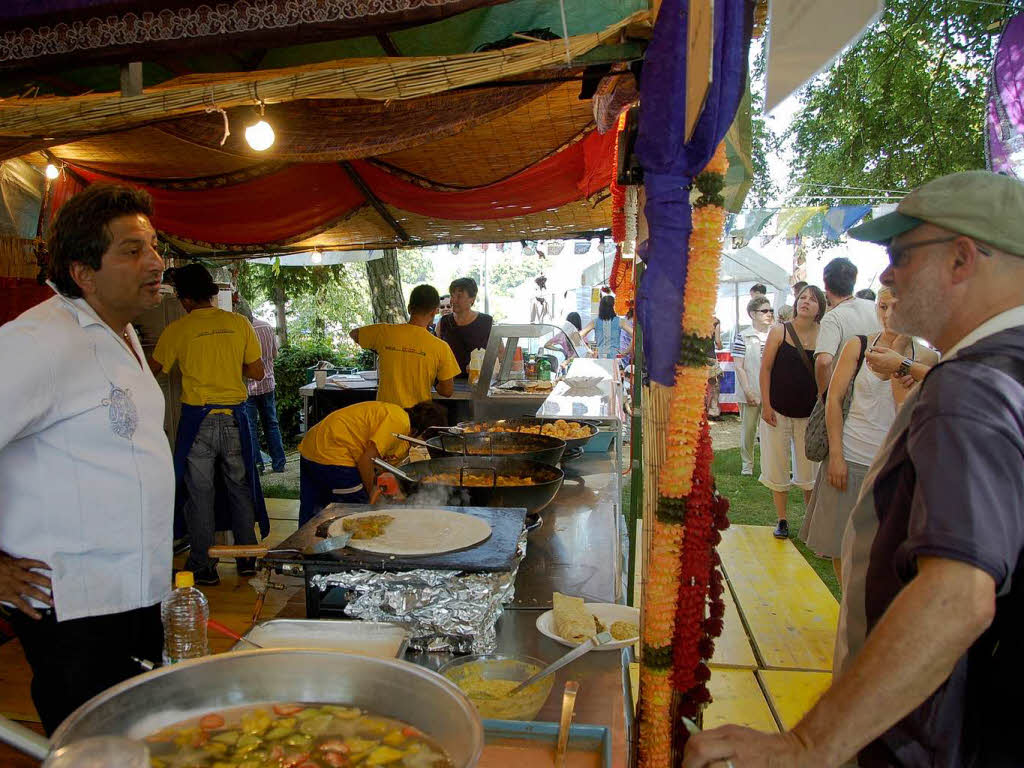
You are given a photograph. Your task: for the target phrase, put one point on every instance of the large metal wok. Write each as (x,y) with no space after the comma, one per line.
(505,445)
(547,481)
(529,422)
(149,702)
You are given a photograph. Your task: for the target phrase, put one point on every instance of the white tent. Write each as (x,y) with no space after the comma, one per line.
(741,269)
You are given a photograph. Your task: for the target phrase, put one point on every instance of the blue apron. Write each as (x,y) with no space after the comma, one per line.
(191,419)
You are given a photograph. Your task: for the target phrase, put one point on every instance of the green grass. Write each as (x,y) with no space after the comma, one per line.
(277,490)
(750,503)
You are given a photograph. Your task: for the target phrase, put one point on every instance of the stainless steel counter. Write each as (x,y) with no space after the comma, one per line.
(603,677)
(580,549)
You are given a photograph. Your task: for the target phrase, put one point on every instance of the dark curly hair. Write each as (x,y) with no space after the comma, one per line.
(425,415)
(81,231)
(194,282)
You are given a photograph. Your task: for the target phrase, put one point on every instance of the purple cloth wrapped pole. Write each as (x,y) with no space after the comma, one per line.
(670,163)
(1005,132)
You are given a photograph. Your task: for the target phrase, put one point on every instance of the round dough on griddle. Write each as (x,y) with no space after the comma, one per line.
(419,531)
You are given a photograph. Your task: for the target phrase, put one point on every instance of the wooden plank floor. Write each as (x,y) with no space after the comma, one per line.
(790,612)
(792,694)
(733,648)
(737,699)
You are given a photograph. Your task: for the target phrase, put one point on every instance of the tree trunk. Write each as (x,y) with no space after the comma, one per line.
(282,318)
(386,295)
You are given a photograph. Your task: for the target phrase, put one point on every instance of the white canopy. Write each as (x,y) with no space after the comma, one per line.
(741,269)
(319,258)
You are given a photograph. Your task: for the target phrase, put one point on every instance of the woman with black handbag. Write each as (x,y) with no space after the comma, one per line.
(853,442)
(788,392)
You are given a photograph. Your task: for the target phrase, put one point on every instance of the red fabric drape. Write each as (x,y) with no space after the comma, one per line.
(267,209)
(299,198)
(576,172)
(18,294)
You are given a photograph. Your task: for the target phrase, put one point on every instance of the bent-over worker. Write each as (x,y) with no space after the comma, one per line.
(85,468)
(411,360)
(336,463)
(218,487)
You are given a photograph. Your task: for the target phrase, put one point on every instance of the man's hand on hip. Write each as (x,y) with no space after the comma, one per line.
(18,582)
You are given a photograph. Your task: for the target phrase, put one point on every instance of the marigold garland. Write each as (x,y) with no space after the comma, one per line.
(683,605)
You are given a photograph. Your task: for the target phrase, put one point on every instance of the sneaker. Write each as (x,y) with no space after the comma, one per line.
(279,470)
(781,530)
(246,566)
(747,471)
(207,577)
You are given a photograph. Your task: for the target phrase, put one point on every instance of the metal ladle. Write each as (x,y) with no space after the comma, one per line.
(599,639)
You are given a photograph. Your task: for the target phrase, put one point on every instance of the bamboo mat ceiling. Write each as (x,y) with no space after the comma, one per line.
(436,133)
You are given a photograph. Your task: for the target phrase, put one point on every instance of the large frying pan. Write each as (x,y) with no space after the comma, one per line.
(547,481)
(529,422)
(500,445)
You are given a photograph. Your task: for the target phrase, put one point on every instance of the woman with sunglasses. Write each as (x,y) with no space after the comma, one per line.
(788,392)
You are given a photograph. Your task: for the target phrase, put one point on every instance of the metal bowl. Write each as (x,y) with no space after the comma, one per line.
(495,666)
(145,704)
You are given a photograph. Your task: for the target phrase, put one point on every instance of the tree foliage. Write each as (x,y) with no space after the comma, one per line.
(902,106)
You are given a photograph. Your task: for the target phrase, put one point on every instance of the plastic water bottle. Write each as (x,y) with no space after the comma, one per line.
(184,613)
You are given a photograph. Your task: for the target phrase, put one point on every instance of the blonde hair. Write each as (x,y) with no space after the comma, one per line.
(884,291)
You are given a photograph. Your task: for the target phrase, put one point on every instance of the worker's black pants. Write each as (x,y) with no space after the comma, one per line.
(74,660)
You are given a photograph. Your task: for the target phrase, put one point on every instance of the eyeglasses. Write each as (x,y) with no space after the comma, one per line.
(897,256)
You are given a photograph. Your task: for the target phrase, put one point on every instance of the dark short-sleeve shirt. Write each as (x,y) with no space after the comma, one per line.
(949,483)
(463,339)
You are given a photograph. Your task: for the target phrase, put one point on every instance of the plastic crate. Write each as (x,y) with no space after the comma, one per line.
(600,442)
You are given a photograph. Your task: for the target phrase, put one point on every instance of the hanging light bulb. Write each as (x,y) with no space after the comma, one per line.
(317,257)
(52,171)
(260,135)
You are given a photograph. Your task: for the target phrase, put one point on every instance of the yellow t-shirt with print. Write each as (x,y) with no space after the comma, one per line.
(210,346)
(340,438)
(411,358)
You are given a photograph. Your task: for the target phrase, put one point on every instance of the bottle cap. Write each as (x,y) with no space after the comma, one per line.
(184,579)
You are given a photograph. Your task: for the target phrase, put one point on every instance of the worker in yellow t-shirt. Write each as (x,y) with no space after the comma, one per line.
(336,455)
(213,452)
(411,358)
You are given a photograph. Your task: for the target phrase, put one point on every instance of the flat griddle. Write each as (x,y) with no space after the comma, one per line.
(497,553)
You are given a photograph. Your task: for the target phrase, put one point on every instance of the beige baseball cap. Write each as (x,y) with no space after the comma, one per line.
(986,206)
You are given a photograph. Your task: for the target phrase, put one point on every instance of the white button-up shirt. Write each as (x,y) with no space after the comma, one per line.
(86,477)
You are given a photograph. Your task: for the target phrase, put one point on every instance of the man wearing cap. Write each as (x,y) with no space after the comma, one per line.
(928,650)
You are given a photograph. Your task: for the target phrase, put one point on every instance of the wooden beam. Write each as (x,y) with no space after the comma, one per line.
(373,200)
(388,44)
(131,79)
(699,51)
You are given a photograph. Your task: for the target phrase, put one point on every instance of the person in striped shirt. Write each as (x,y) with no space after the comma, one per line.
(262,402)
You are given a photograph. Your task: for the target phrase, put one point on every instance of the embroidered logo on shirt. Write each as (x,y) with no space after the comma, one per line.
(124,416)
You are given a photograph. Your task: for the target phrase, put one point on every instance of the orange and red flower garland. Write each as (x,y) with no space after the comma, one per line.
(683,605)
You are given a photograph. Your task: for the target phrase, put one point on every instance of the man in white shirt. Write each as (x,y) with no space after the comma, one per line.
(746,354)
(847,317)
(85,466)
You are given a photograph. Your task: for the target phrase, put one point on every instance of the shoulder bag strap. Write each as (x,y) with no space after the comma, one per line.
(860,359)
(788,328)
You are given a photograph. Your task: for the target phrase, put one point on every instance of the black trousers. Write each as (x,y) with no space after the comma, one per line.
(74,660)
